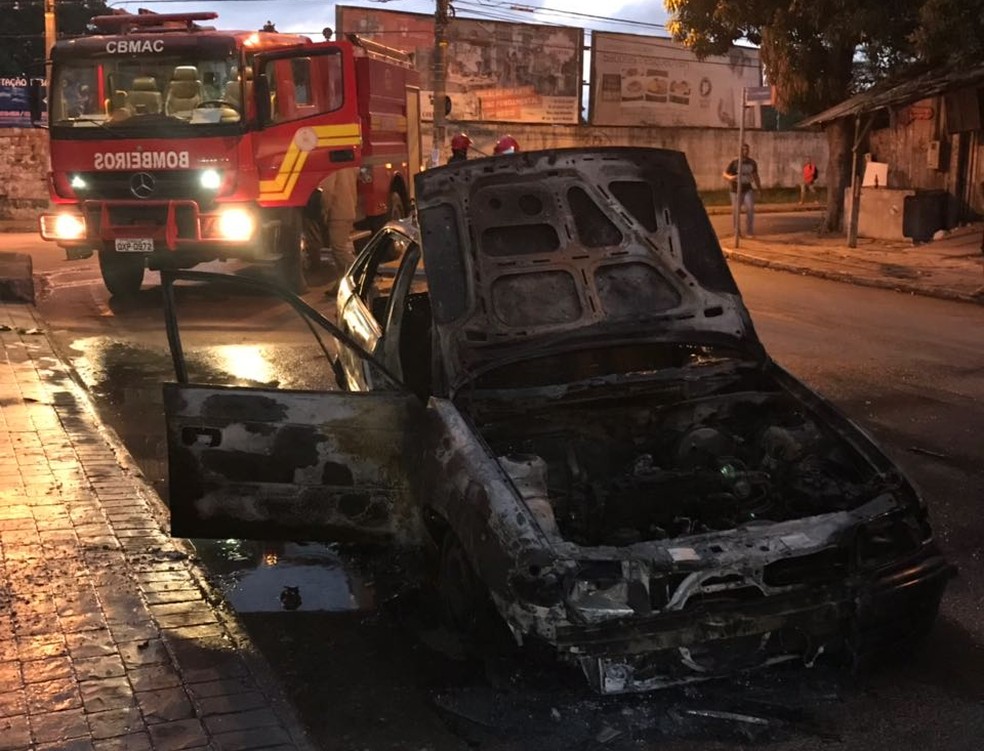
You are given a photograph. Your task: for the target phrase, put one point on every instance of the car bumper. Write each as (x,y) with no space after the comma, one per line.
(175,226)
(862,618)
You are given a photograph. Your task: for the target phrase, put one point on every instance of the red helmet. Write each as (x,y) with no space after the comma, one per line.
(506,145)
(460,142)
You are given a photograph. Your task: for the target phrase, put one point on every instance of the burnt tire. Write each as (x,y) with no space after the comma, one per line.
(293,265)
(122,273)
(466,606)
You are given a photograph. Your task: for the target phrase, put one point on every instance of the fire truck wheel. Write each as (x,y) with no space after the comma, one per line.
(292,266)
(395,209)
(121,272)
(312,242)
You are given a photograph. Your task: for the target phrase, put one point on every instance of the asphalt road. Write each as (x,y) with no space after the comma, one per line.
(364,671)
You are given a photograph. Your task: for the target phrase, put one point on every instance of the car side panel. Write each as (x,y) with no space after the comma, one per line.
(268,464)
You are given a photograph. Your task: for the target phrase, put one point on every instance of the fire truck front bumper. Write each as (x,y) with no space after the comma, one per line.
(175,229)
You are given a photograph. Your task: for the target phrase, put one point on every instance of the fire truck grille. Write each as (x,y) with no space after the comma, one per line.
(147,185)
(145,216)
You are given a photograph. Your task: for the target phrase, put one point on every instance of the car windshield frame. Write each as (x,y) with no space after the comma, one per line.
(148,95)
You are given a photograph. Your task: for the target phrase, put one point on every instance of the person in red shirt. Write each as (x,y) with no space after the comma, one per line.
(810,173)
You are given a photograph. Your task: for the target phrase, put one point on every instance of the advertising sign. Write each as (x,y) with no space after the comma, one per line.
(637,80)
(15,112)
(506,72)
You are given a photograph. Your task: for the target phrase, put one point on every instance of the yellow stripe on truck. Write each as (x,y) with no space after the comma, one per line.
(305,141)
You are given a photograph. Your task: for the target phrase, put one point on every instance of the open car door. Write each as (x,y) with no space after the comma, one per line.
(267,463)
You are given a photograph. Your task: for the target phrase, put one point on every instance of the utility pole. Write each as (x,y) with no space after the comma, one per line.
(50,36)
(741,142)
(442,18)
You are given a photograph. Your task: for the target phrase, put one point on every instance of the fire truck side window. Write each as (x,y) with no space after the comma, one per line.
(304,86)
(300,68)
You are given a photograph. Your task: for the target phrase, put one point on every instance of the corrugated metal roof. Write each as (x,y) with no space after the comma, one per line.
(931,83)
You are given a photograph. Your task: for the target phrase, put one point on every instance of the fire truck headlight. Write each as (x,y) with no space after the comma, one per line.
(62,227)
(210,179)
(236,224)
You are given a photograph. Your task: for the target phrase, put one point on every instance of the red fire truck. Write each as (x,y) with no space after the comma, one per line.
(173,144)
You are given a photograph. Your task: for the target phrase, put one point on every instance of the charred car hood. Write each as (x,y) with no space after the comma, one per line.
(529,251)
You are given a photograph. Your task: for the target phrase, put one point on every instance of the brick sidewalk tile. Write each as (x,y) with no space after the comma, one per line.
(108,641)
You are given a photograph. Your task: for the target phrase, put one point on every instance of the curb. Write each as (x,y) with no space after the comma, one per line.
(16,277)
(843,276)
(266,680)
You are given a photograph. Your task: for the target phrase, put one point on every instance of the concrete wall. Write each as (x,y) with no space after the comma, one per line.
(881,214)
(780,155)
(23,172)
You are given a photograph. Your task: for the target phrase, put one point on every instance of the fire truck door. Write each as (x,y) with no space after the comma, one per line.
(308,120)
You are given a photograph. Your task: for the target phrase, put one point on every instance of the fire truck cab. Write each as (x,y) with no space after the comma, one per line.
(173,144)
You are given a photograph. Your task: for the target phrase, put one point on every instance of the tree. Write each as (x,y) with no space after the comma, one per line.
(22,40)
(951,32)
(815,53)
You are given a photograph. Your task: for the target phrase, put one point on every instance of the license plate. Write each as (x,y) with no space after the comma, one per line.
(134,245)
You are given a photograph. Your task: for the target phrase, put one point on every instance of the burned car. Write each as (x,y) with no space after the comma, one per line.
(555,383)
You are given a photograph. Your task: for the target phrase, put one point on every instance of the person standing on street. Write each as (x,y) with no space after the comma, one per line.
(339,195)
(808,185)
(459,148)
(742,190)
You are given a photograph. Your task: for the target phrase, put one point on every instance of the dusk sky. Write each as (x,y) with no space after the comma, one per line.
(311,16)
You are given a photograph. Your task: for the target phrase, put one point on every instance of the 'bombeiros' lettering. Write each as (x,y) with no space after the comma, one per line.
(142,160)
(134,46)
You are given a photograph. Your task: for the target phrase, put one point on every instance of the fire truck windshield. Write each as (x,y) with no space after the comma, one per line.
(139,94)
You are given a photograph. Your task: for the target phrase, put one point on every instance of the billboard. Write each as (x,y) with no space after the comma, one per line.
(639,80)
(505,72)
(15,112)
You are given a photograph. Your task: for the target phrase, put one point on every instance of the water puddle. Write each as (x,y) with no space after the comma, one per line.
(262,577)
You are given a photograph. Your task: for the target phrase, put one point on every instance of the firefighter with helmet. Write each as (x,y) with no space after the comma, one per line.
(506,145)
(459,148)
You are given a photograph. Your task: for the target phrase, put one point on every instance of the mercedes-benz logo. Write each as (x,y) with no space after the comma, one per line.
(142,185)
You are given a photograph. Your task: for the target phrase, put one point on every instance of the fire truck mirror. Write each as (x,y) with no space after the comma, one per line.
(261,90)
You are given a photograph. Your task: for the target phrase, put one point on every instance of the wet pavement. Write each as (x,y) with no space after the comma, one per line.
(109,638)
(363,657)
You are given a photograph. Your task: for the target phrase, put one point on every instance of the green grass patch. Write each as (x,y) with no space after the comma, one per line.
(766,195)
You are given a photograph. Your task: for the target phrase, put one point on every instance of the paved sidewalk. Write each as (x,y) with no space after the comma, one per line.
(110,638)
(950,268)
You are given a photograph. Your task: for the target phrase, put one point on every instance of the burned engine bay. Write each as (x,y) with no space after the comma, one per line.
(621,471)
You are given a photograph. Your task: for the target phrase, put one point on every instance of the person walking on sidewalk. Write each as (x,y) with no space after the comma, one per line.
(749,183)
(808,185)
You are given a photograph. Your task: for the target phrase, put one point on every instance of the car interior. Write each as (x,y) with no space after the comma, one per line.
(184,91)
(375,287)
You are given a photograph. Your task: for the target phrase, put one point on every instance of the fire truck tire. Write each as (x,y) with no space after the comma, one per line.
(312,239)
(292,265)
(395,209)
(122,273)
